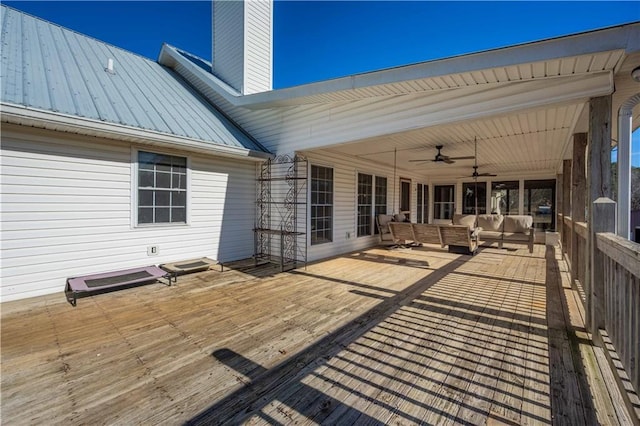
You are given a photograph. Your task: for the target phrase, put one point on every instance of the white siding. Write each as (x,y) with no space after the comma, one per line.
(258,48)
(242,44)
(345,170)
(322,125)
(228,42)
(66,211)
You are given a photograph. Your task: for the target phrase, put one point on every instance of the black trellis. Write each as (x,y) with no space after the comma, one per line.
(281,212)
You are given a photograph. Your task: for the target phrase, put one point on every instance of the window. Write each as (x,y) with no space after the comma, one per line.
(321,205)
(369,204)
(504,197)
(381,198)
(162,188)
(469,197)
(365,204)
(422,200)
(443,201)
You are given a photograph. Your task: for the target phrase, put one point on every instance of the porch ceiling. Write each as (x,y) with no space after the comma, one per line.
(528,142)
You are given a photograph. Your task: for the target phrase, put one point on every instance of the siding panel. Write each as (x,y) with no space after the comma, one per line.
(67,212)
(228,31)
(258,47)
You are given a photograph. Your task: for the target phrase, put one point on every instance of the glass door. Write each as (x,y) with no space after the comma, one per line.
(539,202)
(444,198)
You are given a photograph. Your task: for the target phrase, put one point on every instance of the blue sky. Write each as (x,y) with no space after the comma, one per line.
(327,39)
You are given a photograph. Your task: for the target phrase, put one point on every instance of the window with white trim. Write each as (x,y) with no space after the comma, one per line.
(372,200)
(472,193)
(365,204)
(321,205)
(162,188)
(380,200)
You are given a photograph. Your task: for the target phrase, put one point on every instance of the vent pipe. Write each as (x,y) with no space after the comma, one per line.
(109,68)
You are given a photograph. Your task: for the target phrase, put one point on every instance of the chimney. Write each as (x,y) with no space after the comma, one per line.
(242,53)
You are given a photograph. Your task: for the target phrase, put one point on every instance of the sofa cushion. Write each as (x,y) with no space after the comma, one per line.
(491,222)
(516,236)
(490,235)
(399,217)
(517,223)
(465,219)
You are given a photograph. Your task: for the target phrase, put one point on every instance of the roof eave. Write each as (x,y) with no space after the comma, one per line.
(25,116)
(625,37)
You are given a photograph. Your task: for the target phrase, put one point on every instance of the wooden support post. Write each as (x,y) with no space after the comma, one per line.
(604,220)
(559,214)
(598,182)
(567,168)
(578,197)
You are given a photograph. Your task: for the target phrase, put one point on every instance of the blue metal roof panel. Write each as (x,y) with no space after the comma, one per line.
(48,67)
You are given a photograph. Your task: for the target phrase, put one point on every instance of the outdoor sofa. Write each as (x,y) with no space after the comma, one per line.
(499,228)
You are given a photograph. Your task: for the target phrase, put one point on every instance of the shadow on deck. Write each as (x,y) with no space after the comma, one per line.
(375,337)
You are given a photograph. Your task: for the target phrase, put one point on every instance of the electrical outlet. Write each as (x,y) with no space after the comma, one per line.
(152,251)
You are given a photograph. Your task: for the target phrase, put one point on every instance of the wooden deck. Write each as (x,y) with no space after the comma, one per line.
(381,336)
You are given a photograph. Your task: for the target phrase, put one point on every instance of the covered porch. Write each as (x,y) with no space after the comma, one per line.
(375,336)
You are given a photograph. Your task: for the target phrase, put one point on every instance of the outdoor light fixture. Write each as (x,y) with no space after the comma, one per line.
(635,74)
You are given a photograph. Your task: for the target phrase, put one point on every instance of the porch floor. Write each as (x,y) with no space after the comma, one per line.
(377,337)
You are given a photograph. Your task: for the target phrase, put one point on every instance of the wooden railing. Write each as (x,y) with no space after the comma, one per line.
(611,281)
(565,236)
(574,244)
(622,299)
(580,255)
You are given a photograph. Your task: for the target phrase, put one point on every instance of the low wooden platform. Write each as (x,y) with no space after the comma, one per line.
(189,266)
(416,336)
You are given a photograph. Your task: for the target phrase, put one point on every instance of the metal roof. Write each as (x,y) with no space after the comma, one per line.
(46,67)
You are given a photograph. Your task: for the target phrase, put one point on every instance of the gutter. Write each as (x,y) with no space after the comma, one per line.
(18,114)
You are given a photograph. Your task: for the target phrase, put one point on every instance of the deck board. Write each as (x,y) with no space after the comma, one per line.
(374,337)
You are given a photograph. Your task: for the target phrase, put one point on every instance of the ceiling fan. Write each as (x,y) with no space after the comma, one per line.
(475,175)
(439,158)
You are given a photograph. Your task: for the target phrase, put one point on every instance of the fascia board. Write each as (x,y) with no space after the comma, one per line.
(18,114)
(623,37)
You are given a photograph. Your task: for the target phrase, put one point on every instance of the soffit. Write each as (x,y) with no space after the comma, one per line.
(481,79)
(530,142)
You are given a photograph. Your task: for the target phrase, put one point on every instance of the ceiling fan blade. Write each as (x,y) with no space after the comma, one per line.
(486,174)
(463,158)
(447,160)
(413,161)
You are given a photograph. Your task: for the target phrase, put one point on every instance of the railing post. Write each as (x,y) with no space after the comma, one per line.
(566,205)
(599,185)
(604,220)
